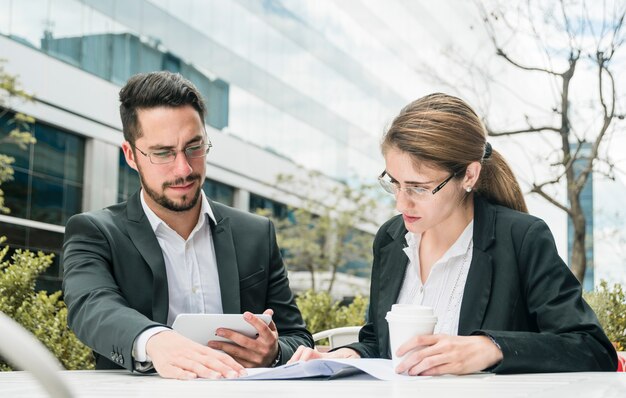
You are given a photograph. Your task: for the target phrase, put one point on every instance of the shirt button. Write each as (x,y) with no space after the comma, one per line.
(421,289)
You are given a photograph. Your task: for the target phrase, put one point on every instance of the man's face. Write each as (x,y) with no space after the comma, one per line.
(173,186)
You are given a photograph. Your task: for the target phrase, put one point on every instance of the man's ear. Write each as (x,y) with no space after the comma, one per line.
(129,154)
(472,172)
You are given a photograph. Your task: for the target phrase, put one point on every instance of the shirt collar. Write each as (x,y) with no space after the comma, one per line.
(155,221)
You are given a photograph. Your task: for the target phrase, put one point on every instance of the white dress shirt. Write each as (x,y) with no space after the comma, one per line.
(191,266)
(444,287)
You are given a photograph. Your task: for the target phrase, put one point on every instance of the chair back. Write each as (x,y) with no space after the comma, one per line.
(22,350)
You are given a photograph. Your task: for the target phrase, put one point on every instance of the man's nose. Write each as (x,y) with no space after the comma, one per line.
(182,167)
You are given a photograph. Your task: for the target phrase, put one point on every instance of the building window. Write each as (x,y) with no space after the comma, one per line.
(116,57)
(219,192)
(47,187)
(279,210)
(48,179)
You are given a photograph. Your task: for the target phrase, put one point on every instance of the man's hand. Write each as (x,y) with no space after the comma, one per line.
(250,352)
(176,357)
(304,353)
(443,354)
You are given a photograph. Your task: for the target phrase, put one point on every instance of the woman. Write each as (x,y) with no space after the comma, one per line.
(465,245)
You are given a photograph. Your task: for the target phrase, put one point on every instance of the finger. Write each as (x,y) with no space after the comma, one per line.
(271,325)
(223,366)
(310,354)
(418,341)
(235,351)
(224,358)
(245,362)
(174,372)
(197,366)
(296,355)
(428,363)
(234,337)
(438,370)
(261,327)
(228,351)
(413,358)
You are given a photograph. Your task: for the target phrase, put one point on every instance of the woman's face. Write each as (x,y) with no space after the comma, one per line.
(421,212)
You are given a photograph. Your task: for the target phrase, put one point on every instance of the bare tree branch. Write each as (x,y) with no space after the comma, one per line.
(522,131)
(540,192)
(500,52)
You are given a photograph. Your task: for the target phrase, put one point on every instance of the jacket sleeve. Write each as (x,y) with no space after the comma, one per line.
(569,336)
(292,331)
(97,311)
(368,345)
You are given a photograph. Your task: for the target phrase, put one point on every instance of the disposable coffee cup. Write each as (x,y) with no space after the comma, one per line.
(407,321)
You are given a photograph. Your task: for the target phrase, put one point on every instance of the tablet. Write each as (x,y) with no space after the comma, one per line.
(201,327)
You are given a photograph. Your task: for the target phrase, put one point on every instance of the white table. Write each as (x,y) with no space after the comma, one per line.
(123,384)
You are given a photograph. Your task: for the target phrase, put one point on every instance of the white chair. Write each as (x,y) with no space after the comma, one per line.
(339,336)
(21,349)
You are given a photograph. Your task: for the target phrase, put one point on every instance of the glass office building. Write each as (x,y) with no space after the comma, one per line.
(290,85)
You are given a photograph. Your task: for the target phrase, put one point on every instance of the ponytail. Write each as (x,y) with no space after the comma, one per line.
(498,185)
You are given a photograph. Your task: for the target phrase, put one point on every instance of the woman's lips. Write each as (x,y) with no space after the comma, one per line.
(410,219)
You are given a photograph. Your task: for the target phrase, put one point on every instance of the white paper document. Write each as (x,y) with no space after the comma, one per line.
(381,369)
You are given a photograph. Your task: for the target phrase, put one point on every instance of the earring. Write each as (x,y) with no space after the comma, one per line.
(468,189)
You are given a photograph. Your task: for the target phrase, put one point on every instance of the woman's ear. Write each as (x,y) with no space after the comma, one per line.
(472,172)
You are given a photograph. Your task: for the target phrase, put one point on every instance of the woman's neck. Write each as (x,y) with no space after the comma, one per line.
(437,240)
(447,232)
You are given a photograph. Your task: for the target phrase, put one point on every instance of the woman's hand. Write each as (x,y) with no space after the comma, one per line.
(305,354)
(443,354)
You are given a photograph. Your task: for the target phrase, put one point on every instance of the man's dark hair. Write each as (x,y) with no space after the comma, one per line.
(150,90)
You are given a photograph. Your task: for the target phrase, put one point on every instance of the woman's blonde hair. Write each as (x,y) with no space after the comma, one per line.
(442,131)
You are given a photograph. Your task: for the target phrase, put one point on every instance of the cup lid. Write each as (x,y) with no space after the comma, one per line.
(410,318)
(412,309)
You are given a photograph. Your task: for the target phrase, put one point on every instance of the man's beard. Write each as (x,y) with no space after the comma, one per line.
(169,204)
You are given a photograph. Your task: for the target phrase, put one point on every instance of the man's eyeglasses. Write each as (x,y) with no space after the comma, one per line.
(168,155)
(413,192)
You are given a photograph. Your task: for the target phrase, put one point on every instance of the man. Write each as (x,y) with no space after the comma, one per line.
(131,268)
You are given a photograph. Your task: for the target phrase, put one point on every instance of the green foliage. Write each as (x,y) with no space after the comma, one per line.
(43,315)
(322,235)
(610,308)
(321,313)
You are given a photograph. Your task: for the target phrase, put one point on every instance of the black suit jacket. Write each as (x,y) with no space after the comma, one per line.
(518,290)
(115,283)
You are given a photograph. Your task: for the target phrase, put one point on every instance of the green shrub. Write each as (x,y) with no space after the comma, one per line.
(610,308)
(43,315)
(321,313)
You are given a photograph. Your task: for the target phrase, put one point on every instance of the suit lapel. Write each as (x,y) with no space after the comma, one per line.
(226,258)
(393,262)
(479,278)
(142,236)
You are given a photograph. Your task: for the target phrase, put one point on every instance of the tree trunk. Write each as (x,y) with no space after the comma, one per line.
(312,272)
(578,263)
(333,273)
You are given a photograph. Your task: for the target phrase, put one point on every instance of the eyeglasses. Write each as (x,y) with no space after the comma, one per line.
(413,192)
(168,155)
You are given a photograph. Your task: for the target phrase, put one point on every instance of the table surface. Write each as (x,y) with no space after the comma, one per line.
(123,384)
